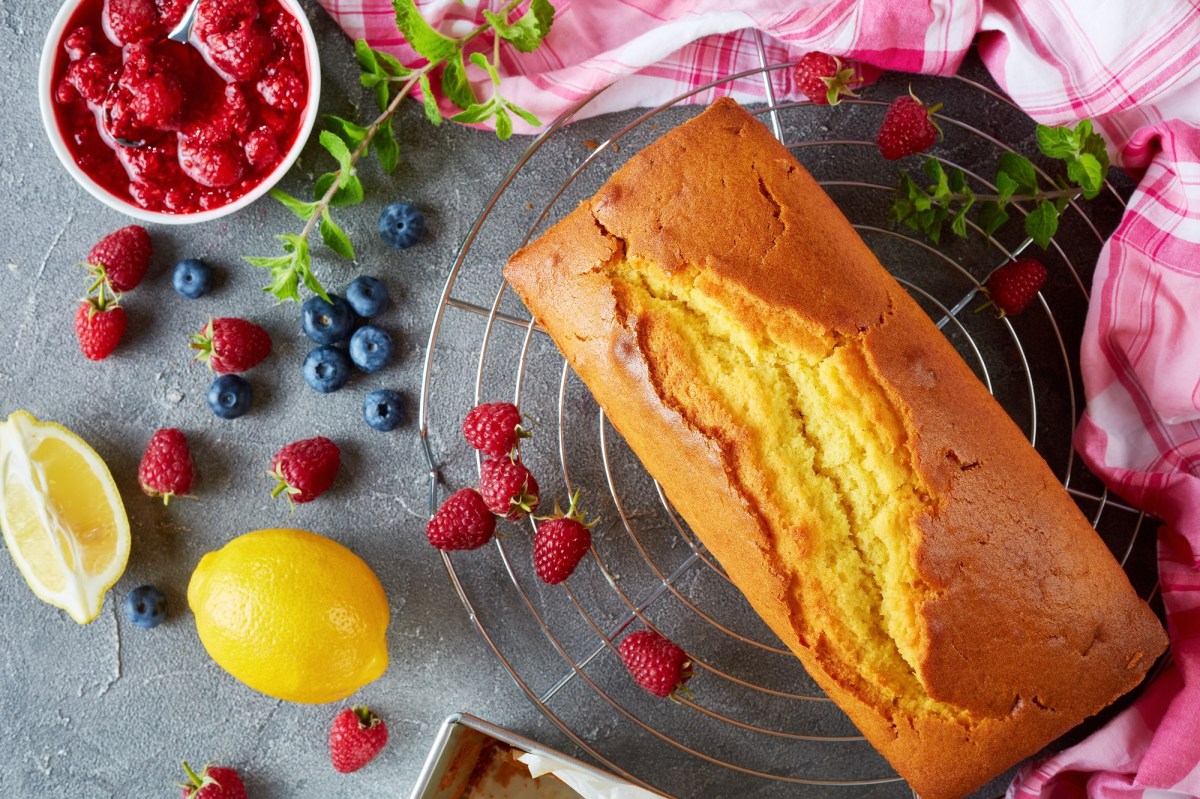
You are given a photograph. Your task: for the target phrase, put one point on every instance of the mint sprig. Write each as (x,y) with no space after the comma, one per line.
(927,207)
(347,142)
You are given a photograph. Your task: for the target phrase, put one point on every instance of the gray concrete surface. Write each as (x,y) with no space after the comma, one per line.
(108,710)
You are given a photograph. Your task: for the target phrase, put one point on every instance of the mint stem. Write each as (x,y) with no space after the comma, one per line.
(1016,198)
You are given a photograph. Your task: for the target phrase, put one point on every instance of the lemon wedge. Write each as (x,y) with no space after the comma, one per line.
(61,513)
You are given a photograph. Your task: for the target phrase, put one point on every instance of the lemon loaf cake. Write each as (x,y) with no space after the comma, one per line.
(875,505)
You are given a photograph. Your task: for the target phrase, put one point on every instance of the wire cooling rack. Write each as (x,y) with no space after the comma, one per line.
(757,725)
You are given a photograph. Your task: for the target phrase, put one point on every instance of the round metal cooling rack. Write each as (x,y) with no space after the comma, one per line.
(756,724)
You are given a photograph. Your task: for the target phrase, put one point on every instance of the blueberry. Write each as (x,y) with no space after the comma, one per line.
(371,348)
(368,296)
(401,225)
(193,278)
(146,607)
(384,409)
(230,396)
(327,322)
(326,369)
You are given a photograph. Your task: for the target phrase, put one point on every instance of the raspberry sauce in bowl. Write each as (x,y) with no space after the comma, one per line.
(218,123)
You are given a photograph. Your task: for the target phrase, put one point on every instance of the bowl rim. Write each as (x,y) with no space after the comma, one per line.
(127,207)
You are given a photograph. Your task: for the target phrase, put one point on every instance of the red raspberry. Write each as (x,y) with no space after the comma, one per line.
(561,542)
(131,21)
(241,52)
(231,345)
(157,99)
(153,162)
(121,258)
(305,470)
(219,16)
(93,76)
(508,488)
(262,148)
(217,166)
(357,736)
(282,88)
(462,522)
(907,128)
(213,782)
(80,42)
(494,428)
(658,665)
(825,79)
(66,94)
(166,469)
(170,12)
(1013,286)
(99,326)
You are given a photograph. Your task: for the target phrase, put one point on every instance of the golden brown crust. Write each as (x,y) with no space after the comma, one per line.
(1032,626)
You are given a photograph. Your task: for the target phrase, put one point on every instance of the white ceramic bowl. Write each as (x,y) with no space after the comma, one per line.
(127,207)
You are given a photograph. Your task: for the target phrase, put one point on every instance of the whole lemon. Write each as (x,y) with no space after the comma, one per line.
(291,613)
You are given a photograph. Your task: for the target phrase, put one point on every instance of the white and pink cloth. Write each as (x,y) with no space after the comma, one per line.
(1133,66)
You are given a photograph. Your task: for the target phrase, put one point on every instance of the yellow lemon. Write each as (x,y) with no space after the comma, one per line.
(63,519)
(291,613)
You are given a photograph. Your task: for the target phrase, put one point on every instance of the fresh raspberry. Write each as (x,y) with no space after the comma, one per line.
(121,258)
(494,428)
(166,469)
(230,345)
(219,16)
(80,42)
(508,488)
(357,736)
(93,76)
(305,470)
(214,782)
(462,522)
(825,79)
(1013,286)
(560,543)
(658,665)
(907,128)
(131,21)
(99,326)
(282,88)
(240,53)
(262,148)
(217,166)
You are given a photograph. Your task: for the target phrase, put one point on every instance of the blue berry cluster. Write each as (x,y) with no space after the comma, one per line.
(331,323)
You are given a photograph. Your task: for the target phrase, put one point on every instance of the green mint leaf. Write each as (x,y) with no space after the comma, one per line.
(287,271)
(923,202)
(480,60)
(335,238)
(476,112)
(1087,174)
(1042,223)
(430,101)
(1006,187)
(504,126)
(350,132)
(1021,170)
(941,187)
(267,262)
(349,194)
(391,65)
(527,32)
(387,149)
(958,181)
(455,85)
(991,216)
(366,57)
(383,96)
(1054,142)
(300,208)
(433,46)
(370,80)
(1083,131)
(523,114)
(338,149)
(1093,145)
(959,223)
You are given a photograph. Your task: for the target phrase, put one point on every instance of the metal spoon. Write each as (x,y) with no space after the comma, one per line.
(182,33)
